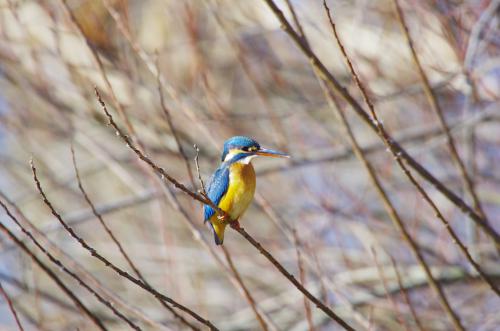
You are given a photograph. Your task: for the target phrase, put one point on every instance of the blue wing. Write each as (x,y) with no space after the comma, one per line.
(217,187)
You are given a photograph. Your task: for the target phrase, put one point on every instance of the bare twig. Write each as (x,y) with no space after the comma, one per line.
(340,90)
(302,278)
(397,155)
(433,101)
(46,269)
(202,185)
(119,245)
(11,307)
(406,296)
(111,265)
(402,165)
(171,126)
(204,200)
(293,280)
(249,296)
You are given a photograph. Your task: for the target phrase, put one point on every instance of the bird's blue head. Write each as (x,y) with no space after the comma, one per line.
(243,147)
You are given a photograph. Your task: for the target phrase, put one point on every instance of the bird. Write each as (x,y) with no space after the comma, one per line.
(232,185)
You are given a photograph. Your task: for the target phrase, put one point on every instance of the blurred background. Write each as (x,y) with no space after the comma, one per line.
(225,68)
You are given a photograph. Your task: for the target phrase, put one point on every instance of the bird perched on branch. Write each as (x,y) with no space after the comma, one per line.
(232,185)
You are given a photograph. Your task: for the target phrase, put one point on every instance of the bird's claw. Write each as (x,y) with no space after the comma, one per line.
(223,218)
(235,225)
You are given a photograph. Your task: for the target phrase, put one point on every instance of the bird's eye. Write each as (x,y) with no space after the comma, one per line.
(245,149)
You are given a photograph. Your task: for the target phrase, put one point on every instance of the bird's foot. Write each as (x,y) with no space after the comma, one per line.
(224,219)
(235,225)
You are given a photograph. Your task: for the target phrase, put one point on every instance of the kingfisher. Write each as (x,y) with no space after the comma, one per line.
(232,185)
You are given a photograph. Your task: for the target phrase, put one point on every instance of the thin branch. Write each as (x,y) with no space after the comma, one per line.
(247,293)
(438,290)
(119,245)
(111,265)
(402,165)
(204,200)
(11,307)
(202,185)
(435,105)
(45,268)
(302,278)
(383,279)
(58,263)
(168,118)
(406,296)
(82,272)
(292,279)
(359,110)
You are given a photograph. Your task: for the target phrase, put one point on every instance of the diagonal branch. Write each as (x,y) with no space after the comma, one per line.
(11,307)
(111,265)
(119,245)
(204,200)
(403,167)
(325,74)
(46,269)
(433,101)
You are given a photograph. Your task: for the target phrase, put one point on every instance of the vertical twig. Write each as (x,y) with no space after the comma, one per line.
(247,293)
(202,184)
(168,118)
(406,296)
(302,278)
(383,279)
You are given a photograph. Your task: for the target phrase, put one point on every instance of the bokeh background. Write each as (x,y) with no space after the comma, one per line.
(225,68)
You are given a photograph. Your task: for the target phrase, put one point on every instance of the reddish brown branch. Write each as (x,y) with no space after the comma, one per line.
(293,280)
(325,74)
(45,268)
(11,307)
(204,200)
(397,156)
(119,245)
(402,165)
(247,293)
(111,265)
(302,276)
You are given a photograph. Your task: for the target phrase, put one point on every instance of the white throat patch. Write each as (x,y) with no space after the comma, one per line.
(247,159)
